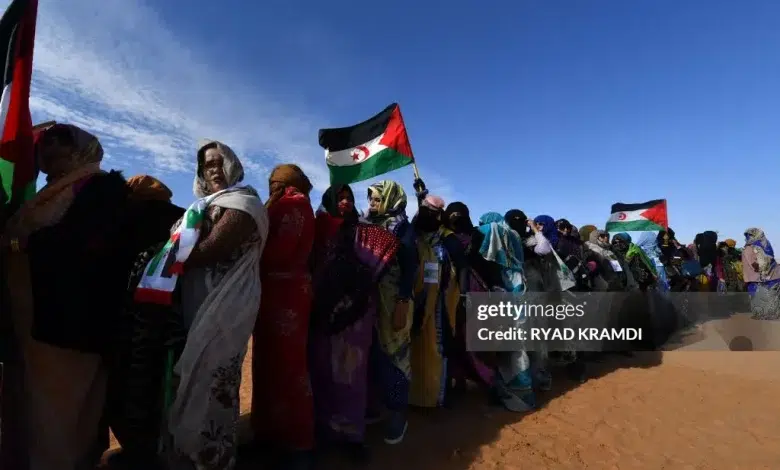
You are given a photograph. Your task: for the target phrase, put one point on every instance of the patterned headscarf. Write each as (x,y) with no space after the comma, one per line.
(291,176)
(503,246)
(149,188)
(231,166)
(550,231)
(602,248)
(730,242)
(392,209)
(756,237)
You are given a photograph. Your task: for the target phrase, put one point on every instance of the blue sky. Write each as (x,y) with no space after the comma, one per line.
(553,107)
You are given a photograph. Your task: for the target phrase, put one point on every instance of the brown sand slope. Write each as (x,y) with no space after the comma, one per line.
(696,410)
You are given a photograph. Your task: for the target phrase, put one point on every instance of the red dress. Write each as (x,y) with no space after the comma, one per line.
(282,404)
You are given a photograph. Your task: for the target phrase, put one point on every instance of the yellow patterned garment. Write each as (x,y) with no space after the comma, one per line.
(393,343)
(429,365)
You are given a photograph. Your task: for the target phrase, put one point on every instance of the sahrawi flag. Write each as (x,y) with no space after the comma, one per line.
(17,162)
(647,216)
(371,148)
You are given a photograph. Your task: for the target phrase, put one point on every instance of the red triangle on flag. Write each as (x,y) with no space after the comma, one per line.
(657,214)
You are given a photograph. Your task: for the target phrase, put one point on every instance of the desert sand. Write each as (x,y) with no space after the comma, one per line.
(672,410)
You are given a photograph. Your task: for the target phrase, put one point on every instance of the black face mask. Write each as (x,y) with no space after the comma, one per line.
(427,220)
(461,224)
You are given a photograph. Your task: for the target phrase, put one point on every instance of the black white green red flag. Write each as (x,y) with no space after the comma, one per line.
(17,161)
(642,217)
(373,147)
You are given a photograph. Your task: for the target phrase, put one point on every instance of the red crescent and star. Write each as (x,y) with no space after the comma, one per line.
(359,153)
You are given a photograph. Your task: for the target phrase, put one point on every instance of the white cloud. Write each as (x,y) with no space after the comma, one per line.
(114,68)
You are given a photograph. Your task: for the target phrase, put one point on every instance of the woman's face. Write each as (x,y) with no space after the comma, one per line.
(374,203)
(565,231)
(53,156)
(213,170)
(344,202)
(604,238)
(540,226)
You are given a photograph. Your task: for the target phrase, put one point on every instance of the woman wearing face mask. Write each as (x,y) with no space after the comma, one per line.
(477,275)
(349,259)
(390,351)
(434,318)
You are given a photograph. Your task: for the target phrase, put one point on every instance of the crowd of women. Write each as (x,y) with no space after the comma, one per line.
(123,311)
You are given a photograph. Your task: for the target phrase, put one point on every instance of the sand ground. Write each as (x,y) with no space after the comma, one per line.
(671,410)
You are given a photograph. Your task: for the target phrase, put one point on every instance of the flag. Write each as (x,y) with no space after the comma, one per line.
(371,148)
(18,170)
(647,216)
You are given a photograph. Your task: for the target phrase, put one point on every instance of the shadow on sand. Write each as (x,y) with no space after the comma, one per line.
(450,439)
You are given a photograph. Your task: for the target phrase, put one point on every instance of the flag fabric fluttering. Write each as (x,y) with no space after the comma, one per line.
(18,169)
(376,146)
(642,217)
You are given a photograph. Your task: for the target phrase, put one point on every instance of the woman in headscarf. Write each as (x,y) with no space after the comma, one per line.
(477,275)
(642,270)
(668,244)
(513,383)
(535,248)
(349,259)
(282,405)
(759,266)
(391,366)
(546,225)
(672,260)
(648,244)
(707,249)
(732,265)
(145,334)
(437,296)
(66,250)
(570,250)
(542,245)
(608,274)
(503,246)
(216,248)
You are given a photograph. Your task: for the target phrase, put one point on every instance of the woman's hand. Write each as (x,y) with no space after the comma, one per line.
(400,314)
(532,225)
